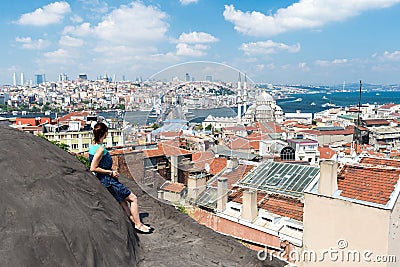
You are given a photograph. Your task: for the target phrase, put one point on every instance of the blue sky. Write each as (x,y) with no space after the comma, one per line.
(280,42)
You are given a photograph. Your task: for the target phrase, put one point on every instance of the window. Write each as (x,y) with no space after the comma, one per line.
(287,153)
(85,146)
(235,209)
(74,146)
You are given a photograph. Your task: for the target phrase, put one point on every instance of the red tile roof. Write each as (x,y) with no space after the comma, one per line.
(368,183)
(201,158)
(326,152)
(166,149)
(387,106)
(32,121)
(347,131)
(238,128)
(235,175)
(376,122)
(284,206)
(274,203)
(170,134)
(217,165)
(269,127)
(236,143)
(380,161)
(70,116)
(173,187)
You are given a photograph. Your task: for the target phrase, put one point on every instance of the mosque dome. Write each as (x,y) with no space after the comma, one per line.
(264,98)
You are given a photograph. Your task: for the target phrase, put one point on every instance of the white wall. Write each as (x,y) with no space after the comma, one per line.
(328,220)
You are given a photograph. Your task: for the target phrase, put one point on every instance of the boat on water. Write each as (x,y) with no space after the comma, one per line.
(324,97)
(377,94)
(312,104)
(328,105)
(15,113)
(298,100)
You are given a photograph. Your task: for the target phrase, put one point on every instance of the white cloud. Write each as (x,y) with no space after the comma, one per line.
(305,14)
(325,63)
(196,37)
(196,50)
(303,66)
(135,24)
(76,19)
(268,47)
(28,43)
(187,2)
(49,14)
(339,61)
(391,56)
(60,56)
(260,67)
(81,30)
(95,5)
(70,41)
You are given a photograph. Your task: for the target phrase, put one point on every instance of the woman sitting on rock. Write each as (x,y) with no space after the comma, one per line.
(101,165)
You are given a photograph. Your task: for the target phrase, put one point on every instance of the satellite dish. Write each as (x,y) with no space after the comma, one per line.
(207,167)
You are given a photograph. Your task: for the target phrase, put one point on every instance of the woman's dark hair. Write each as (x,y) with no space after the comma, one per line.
(98,131)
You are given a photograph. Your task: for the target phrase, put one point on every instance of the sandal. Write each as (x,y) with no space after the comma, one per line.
(149,231)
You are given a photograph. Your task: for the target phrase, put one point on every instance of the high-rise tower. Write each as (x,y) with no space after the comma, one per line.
(14,79)
(22,78)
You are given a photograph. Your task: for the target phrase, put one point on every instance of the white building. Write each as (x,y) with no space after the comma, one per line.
(263,109)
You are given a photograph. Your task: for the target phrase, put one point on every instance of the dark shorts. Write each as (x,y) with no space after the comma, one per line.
(117,189)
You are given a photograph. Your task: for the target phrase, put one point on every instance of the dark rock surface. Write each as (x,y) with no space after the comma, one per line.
(54,212)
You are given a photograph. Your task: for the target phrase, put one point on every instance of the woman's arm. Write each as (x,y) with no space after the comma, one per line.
(94,166)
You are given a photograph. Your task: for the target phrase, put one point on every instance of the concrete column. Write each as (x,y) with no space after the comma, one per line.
(222,195)
(174,169)
(328,177)
(196,186)
(249,207)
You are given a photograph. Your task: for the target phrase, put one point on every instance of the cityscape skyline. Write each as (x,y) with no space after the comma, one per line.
(279,42)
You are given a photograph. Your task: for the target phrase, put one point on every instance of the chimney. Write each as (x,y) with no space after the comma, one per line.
(328,178)
(174,169)
(196,185)
(249,207)
(232,163)
(222,196)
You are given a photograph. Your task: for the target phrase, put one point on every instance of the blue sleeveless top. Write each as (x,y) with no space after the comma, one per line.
(117,189)
(105,162)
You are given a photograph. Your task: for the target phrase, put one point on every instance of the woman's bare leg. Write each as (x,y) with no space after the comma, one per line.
(125,206)
(134,213)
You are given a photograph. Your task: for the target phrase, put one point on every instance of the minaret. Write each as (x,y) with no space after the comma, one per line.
(22,79)
(239,100)
(245,94)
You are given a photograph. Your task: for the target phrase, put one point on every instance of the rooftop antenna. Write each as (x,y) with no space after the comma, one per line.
(357,131)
